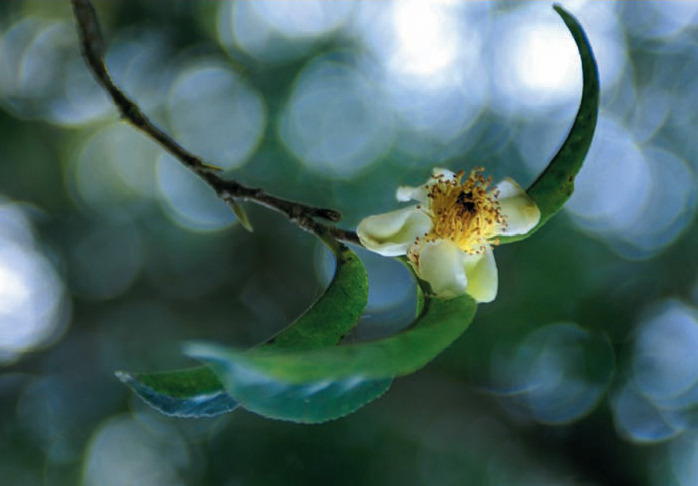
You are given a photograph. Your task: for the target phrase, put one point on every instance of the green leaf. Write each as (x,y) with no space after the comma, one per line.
(556,184)
(333,315)
(192,392)
(312,402)
(439,325)
(197,392)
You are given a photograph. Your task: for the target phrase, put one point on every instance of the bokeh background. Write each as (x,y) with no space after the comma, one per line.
(583,371)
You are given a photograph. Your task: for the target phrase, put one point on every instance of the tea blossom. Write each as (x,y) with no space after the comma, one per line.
(449,235)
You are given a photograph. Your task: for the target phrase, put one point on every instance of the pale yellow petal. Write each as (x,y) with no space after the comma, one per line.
(390,234)
(440,264)
(520,211)
(481,272)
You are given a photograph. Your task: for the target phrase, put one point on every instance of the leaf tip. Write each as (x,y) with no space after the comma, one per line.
(241,215)
(202,351)
(124,377)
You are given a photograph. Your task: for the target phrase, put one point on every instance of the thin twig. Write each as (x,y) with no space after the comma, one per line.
(93,47)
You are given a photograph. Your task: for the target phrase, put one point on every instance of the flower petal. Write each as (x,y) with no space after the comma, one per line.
(440,264)
(419,193)
(409,193)
(521,212)
(390,234)
(481,271)
(445,174)
(507,188)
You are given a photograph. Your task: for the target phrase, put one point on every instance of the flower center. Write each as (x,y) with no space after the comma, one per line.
(464,212)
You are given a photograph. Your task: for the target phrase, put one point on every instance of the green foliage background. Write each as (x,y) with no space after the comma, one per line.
(138,279)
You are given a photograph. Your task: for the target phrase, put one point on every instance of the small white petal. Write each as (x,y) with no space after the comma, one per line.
(508,187)
(409,193)
(444,173)
(419,193)
(520,211)
(440,264)
(521,214)
(390,234)
(481,270)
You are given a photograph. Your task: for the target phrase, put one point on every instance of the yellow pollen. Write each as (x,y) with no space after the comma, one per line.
(464,212)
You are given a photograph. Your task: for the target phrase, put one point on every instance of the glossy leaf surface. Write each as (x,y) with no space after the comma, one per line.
(312,402)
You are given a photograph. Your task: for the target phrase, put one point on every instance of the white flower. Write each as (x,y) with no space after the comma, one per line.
(448,236)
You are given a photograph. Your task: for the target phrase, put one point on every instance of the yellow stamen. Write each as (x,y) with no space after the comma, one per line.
(464,212)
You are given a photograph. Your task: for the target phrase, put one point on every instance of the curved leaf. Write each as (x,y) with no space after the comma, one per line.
(334,314)
(192,392)
(439,325)
(313,402)
(556,184)
(197,392)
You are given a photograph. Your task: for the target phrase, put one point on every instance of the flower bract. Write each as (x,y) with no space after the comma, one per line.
(449,235)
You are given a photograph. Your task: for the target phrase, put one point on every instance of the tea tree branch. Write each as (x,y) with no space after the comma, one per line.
(92,45)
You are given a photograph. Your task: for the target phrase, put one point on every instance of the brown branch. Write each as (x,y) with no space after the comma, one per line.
(93,47)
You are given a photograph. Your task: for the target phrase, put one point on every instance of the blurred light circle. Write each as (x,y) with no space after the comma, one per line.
(443,114)
(538,68)
(114,164)
(278,30)
(33,305)
(558,374)
(639,200)
(334,122)
(683,455)
(439,100)
(216,114)
(82,101)
(43,75)
(537,65)
(423,44)
(309,18)
(614,182)
(638,419)
(429,62)
(659,400)
(426,39)
(653,106)
(106,261)
(655,19)
(681,412)
(188,200)
(241,27)
(137,62)
(123,452)
(31,62)
(47,411)
(669,207)
(613,186)
(665,361)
